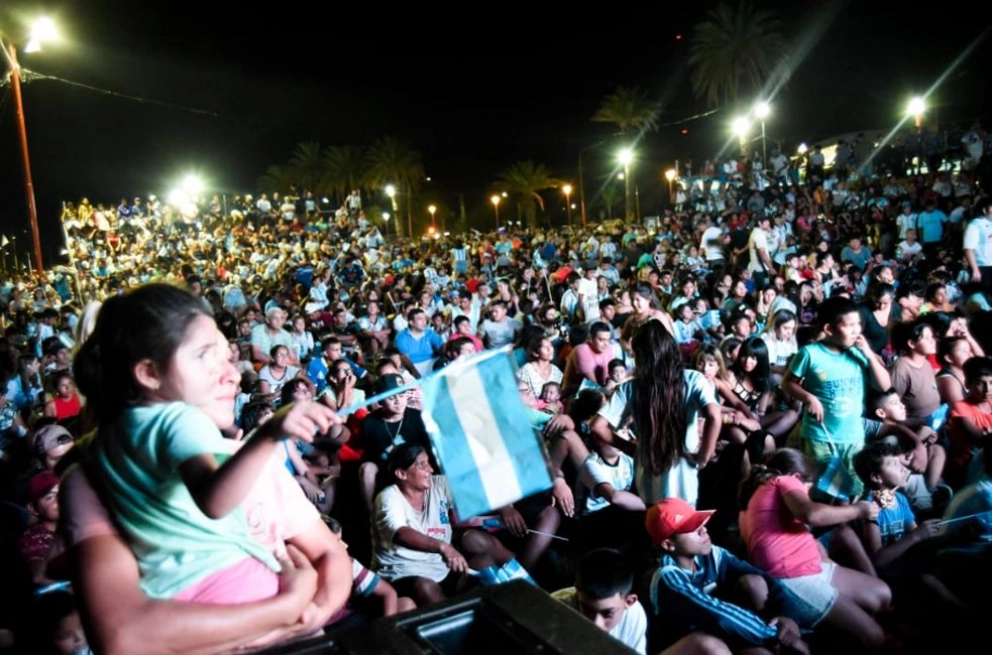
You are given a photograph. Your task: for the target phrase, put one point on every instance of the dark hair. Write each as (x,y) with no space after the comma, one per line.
(603,573)
(597,327)
(878,400)
(977,367)
(586,404)
(147,323)
(868,461)
(47,612)
(288,389)
(251,412)
(402,458)
(783,461)
(833,309)
(945,347)
(761,376)
(659,384)
(904,333)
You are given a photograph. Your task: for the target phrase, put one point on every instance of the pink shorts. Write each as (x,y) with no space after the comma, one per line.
(247,581)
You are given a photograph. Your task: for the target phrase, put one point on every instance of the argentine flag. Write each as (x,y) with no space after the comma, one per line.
(481,434)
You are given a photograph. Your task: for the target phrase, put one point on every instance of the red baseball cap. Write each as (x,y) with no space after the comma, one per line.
(40,484)
(673,516)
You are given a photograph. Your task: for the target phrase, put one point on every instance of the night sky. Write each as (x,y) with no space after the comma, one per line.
(229,94)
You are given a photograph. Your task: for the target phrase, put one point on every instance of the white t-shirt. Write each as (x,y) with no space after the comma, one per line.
(758,240)
(978,237)
(631,630)
(596,471)
(710,242)
(392,512)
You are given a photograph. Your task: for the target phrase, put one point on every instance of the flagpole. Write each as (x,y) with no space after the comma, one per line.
(453,368)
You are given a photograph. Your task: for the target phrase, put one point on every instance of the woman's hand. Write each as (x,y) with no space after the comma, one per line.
(455,561)
(513,521)
(561,495)
(297,580)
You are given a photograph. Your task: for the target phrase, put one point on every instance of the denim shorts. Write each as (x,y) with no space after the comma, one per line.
(817,592)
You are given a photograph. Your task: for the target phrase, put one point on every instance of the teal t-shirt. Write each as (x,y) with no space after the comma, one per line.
(138,460)
(838,380)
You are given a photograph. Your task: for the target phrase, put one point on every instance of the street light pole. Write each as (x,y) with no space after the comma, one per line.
(495,200)
(567,190)
(15,85)
(582,184)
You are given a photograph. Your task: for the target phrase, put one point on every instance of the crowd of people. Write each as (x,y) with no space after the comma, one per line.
(764,419)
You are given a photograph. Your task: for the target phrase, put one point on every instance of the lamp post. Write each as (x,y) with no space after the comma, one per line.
(740,127)
(42,30)
(432,209)
(762,111)
(917,106)
(625,157)
(391,192)
(670,176)
(567,190)
(495,200)
(582,182)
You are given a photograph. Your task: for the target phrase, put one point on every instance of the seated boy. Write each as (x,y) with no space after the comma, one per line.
(692,570)
(610,512)
(927,456)
(890,539)
(602,594)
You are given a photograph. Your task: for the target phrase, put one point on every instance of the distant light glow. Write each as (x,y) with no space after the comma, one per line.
(917,106)
(625,156)
(670,174)
(740,126)
(567,189)
(762,110)
(43,31)
(390,190)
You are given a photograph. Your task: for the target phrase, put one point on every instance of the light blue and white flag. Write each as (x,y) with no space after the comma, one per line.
(478,425)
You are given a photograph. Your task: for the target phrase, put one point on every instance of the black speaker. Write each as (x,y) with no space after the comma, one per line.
(516,618)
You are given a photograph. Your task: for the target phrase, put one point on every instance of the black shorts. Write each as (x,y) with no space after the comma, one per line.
(405,586)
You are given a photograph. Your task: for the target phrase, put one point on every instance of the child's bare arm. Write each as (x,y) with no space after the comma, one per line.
(387,596)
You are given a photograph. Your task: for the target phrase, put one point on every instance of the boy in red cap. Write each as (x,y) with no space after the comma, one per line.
(35,544)
(694,577)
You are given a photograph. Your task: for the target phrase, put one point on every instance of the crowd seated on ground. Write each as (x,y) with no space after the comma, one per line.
(765,417)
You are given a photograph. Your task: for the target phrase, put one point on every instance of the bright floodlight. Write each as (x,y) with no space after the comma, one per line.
(176,197)
(192,185)
(762,109)
(494,199)
(740,126)
(567,189)
(43,31)
(803,148)
(385,216)
(670,174)
(916,106)
(432,209)
(390,190)
(625,156)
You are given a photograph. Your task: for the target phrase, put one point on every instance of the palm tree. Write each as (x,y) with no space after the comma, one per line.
(394,161)
(306,167)
(609,196)
(344,169)
(630,109)
(733,52)
(522,181)
(276,179)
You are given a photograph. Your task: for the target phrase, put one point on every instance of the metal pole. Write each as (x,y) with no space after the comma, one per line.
(764,148)
(582,190)
(15,85)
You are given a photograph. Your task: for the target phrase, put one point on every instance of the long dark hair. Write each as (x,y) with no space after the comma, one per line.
(783,461)
(761,376)
(659,387)
(150,323)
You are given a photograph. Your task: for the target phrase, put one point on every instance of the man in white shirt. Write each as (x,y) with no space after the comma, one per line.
(978,244)
(760,261)
(711,243)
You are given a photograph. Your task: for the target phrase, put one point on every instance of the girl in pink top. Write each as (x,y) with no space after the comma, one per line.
(775,519)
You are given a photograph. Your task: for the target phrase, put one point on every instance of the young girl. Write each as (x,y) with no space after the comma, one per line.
(780,337)
(776,510)
(151,374)
(550,400)
(751,382)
